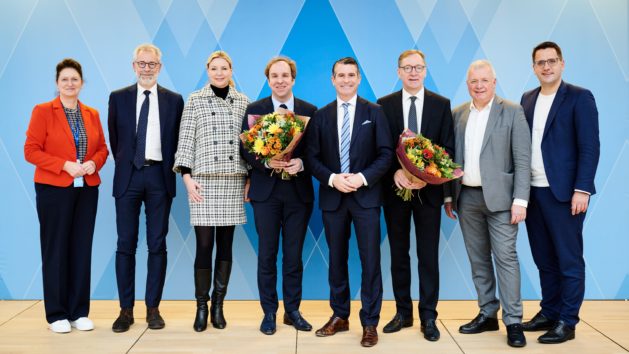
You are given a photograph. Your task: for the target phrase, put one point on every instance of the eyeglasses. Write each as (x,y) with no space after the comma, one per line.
(409,68)
(151,64)
(551,62)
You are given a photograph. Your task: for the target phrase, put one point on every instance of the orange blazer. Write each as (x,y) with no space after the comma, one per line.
(50,143)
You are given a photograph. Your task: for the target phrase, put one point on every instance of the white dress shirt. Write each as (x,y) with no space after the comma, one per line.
(474,134)
(419,107)
(340,113)
(153,149)
(540,116)
(290,104)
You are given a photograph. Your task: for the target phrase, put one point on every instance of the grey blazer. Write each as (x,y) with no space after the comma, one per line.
(209,133)
(505,159)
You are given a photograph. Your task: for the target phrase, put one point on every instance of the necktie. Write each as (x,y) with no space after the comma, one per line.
(283,106)
(412,116)
(140,137)
(345,140)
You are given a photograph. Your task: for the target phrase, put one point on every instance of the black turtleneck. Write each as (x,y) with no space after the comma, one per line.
(220,92)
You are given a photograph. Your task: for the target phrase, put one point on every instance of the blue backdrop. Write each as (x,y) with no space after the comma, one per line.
(36,34)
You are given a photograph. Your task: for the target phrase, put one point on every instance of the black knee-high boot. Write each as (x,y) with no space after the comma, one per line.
(202,282)
(222,271)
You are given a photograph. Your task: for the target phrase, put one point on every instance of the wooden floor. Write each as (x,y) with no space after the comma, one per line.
(604,329)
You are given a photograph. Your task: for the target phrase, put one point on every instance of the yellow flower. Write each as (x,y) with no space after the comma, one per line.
(297,129)
(274,128)
(258,145)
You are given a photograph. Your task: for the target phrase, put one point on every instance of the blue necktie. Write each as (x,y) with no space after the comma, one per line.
(412,116)
(345,140)
(140,137)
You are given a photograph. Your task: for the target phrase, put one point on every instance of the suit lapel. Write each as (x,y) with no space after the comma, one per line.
(561,95)
(131,107)
(60,115)
(426,112)
(87,123)
(359,117)
(296,105)
(460,136)
(333,128)
(161,103)
(494,114)
(529,107)
(398,112)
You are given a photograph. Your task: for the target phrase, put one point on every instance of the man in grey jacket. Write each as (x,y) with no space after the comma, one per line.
(494,146)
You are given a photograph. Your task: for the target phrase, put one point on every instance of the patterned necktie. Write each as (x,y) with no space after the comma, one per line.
(345,140)
(412,116)
(140,137)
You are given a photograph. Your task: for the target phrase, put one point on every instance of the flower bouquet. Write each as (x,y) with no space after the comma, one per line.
(274,136)
(422,160)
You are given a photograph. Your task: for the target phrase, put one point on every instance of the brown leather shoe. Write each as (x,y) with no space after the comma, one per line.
(154,319)
(370,336)
(124,321)
(335,324)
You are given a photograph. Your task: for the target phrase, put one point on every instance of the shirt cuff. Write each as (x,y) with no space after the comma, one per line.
(520,202)
(447,200)
(582,191)
(364,179)
(331,179)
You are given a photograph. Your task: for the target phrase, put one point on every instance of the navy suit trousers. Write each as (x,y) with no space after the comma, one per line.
(146,186)
(556,238)
(338,231)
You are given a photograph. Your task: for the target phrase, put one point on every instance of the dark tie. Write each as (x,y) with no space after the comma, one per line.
(283,106)
(412,116)
(140,137)
(345,139)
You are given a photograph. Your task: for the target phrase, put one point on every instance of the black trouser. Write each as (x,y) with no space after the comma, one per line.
(66,223)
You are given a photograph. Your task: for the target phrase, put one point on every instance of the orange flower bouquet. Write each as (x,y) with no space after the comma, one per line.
(422,160)
(274,136)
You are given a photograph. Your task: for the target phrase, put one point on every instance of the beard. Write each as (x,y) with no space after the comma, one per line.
(147,80)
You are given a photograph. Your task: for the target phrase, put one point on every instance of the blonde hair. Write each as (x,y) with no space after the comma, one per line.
(219,54)
(408,53)
(147,47)
(481,64)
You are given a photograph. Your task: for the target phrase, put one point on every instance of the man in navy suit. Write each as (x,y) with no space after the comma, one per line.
(565,150)
(349,151)
(280,204)
(143,130)
(422,111)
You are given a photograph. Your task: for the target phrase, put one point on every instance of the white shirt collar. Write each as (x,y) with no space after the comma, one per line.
(406,95)
(487,107)
(142,89)
(352,101)
(290,103)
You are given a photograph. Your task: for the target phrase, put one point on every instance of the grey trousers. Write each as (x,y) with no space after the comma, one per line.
(488,234)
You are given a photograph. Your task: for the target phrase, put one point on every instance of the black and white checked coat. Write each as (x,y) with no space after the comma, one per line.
(209,133)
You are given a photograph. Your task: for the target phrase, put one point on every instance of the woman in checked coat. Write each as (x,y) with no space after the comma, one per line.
(215,178)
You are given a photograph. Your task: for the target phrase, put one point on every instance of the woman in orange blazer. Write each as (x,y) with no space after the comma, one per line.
(65,142)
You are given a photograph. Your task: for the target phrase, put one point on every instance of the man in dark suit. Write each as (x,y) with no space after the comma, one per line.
(565,150)
(280,204)
(425,112)
(143,129)
(349,151)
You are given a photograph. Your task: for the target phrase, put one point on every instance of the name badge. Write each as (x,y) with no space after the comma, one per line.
(78,182)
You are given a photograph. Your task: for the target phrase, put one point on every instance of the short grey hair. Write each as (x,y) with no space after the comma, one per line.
(147,47)
(477,64)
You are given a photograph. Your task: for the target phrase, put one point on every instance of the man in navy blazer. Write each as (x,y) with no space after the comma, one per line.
(422,111)
(349,151)
(143,130)
(565,150)
(280,204)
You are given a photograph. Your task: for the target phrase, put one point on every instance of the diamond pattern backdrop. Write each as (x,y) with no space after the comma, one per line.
(36,34)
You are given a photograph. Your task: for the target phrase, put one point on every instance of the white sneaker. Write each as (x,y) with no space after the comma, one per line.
(61,326)
(83,324)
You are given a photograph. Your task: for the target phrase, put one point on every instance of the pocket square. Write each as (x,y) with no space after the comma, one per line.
(366,122)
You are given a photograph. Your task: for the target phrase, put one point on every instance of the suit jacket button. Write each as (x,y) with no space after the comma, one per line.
(231,141)
(213,113)
(231,157)
(215,158)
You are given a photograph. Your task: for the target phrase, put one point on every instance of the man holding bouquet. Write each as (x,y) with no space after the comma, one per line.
(421,111)
(279,203)
(349,151)
(494,146)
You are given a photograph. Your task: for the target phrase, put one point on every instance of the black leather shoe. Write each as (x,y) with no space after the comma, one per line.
(124,321)
(479,324)
(397,323)
(295,319)
(154,319)
(558,334)
(268,324)
(539,322)
(430,330)
(515,335)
